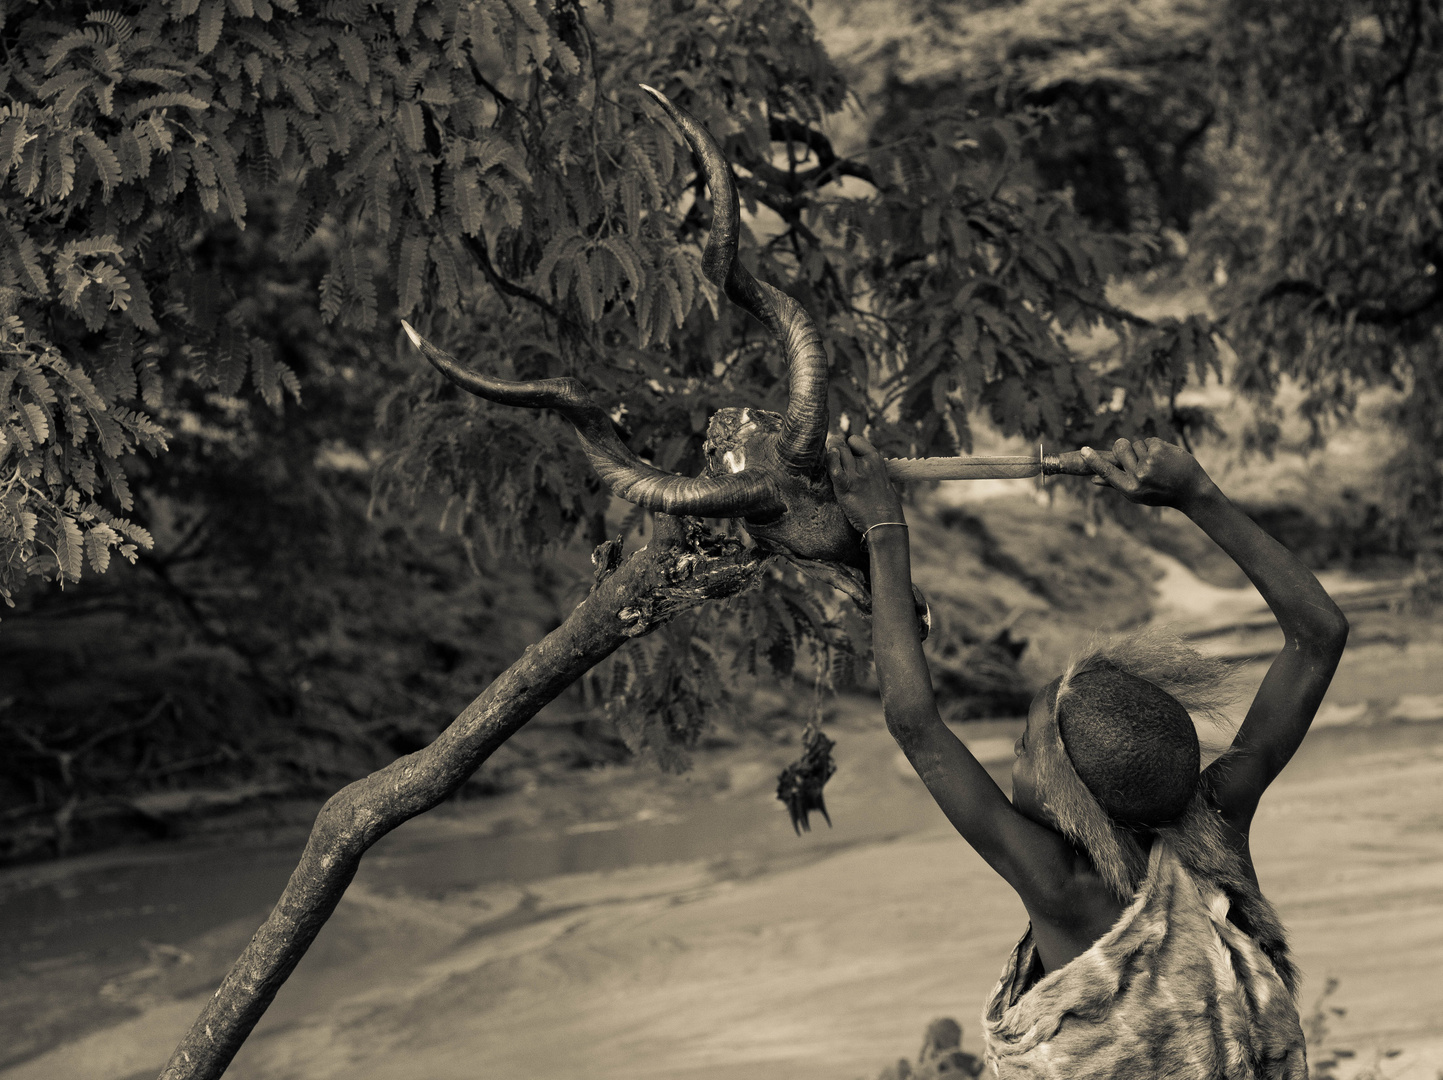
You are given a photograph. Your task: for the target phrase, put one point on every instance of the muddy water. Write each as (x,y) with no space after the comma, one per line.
(100,907)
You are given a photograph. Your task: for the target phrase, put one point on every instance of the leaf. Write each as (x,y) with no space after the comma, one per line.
(69,546)
(318,144)
(27,176)
(463,190)
(405,15)
(36,424)
(28,257)
(498,151)
(411,270)
(353,55)
(134,532)
(232,354)
(685,279)
(59,166)
(164,101)
(231,190)
(631,201)
(66,45)
(673,294)
(273,119)
(645,302)
(119,25)
(13,139)
(133,159)
(565,57)
(33,379)
(423,189)
(270,376)
(562,247)
(337,125)
(621,248)
(82,385)
(209,25)
(295,82)
(204,167)
(299,221)
(362,287)
(289,380)
(583,287)
(647,171)
(140,311)
(147,374)
(361,162)
(380,182)
(333,295)
(265,374)
(98,541)
(412,125)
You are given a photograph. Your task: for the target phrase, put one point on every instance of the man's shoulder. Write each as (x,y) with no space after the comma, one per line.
(1074,898)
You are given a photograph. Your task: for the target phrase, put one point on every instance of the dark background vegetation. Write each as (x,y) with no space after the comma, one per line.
(345,552)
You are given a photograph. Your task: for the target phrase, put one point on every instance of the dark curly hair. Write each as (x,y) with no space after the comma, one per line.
(1132,743)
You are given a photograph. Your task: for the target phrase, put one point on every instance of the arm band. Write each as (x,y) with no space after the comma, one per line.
(879,525)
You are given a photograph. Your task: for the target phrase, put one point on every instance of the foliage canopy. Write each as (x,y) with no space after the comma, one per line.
(216,211)
(1329,244)
(491,171)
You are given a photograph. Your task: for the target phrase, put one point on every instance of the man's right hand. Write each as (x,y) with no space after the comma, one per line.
(859,477)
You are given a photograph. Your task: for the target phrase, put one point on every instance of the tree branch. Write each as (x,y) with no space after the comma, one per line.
(1371,312)
(486,84)
(684,566)
(829,166)
(1102,307)
(477,246)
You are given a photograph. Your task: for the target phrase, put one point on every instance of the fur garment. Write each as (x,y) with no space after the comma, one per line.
(1198,837)
(1174,990)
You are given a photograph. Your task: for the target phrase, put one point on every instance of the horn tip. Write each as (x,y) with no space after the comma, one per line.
(661,99)
(411,333)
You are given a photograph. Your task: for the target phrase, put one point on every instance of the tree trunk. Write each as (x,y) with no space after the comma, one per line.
(681,568)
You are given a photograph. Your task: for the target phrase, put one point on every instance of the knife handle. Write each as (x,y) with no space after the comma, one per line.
(1071,463)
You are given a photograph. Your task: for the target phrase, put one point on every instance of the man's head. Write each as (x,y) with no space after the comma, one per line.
(1119,717)
(1131,742)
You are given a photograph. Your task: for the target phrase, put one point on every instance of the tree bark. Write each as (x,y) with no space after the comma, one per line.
(681,568)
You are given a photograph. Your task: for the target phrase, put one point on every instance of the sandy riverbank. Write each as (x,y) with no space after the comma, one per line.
(765,968)
(674,928)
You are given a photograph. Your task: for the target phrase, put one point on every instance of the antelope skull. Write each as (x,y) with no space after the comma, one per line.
(764,468)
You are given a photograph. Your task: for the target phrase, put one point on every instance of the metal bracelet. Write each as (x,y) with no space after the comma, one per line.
(879,525)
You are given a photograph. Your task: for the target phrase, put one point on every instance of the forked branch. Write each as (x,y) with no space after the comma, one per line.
(679,570)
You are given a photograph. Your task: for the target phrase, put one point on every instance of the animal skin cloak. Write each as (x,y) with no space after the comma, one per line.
(1174,990)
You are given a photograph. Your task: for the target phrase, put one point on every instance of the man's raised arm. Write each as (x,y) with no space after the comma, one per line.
(1156,473)
(1030,857)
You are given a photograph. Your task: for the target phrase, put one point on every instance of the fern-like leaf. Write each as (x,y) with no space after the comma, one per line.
(69,546)
(411,267)
(209,25)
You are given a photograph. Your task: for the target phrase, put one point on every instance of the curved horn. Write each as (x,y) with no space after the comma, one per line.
(743,494)
(804,428)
